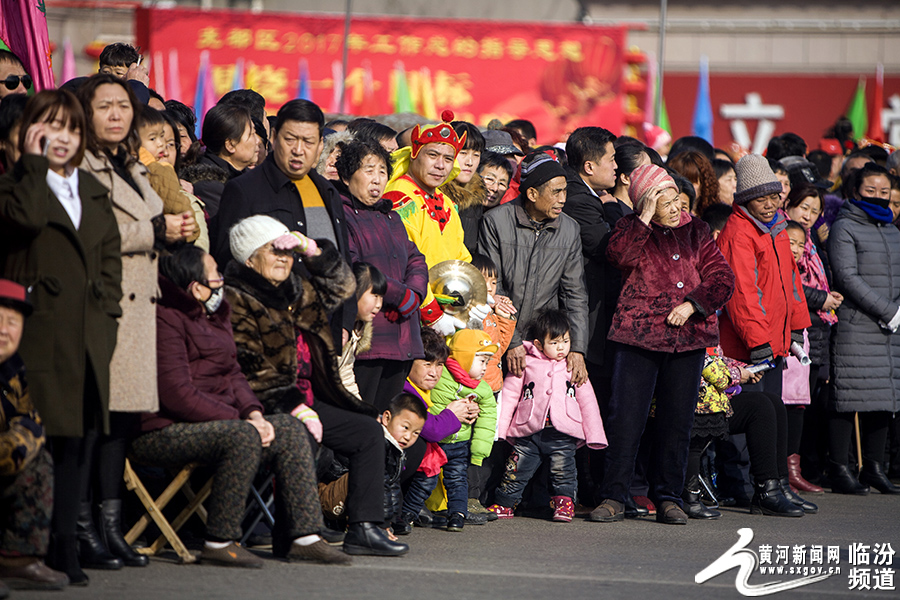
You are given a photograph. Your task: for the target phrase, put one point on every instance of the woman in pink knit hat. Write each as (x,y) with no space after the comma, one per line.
(674,281)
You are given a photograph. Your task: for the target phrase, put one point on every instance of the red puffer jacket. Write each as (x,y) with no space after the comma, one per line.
(768,301)
(663,267)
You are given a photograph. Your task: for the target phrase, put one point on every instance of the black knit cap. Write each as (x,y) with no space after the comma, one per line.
(539,168)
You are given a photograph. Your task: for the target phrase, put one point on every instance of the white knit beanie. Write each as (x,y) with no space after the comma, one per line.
(251,234)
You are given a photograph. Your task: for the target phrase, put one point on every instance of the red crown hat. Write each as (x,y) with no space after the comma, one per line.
(442,133)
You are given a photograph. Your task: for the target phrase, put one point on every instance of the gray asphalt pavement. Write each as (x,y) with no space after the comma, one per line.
(526,558)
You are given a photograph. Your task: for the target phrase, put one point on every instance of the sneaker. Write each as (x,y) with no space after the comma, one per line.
(320,552)
(502,512)
(456,522)
(475,507)
(232,555)
(563,509)
(645,502)
(476,519)
(424,519)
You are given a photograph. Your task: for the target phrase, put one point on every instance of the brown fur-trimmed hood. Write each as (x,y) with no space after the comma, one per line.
(468,195)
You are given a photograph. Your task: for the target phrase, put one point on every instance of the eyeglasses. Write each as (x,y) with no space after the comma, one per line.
(12,82)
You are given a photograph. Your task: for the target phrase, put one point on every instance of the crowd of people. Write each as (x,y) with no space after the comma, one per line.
(666,330)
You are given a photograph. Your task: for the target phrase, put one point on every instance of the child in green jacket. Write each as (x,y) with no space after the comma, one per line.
(462,379)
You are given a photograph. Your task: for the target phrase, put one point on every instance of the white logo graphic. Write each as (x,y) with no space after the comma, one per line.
(746,561)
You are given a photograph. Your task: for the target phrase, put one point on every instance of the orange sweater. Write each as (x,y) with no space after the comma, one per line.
(501,331)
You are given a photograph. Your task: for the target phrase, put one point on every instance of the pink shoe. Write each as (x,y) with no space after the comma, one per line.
(502,512)
(563,509)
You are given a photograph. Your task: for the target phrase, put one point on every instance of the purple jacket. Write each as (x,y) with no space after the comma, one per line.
(199,377)
(543,390)
(378,237)
(438,426)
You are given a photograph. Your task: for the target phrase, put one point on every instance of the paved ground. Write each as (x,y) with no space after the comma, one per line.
(529,558)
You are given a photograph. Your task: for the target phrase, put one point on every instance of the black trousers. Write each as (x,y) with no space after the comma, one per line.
(379,380)
(73,458)
(873,432)
(361,439)
(675,377)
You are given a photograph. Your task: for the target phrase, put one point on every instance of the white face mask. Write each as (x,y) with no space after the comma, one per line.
(214,301)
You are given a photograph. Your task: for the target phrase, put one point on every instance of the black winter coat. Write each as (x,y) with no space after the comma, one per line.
(75,278)
(602,280)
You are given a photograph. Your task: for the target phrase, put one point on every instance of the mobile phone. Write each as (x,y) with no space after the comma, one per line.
(140,59)
(45,145)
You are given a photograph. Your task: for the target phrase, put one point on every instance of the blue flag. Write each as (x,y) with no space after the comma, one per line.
(303,88)
(200,93)
(702,125)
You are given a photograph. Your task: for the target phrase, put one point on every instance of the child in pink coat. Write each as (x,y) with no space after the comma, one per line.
(543,414)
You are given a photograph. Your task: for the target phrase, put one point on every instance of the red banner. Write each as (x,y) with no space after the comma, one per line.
(558,76)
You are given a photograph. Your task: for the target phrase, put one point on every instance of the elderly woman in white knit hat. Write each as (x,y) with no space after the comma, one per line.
(674,280)
(286,352)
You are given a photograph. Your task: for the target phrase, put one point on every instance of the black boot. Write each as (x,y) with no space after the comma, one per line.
(111,529)
(843,481)
(694,508)
(62,555)
(807,506)
(92,554)
(369,538)
(404,525)
(769,499)
(873,474)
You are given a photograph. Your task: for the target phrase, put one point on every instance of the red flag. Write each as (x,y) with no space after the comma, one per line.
(876,131)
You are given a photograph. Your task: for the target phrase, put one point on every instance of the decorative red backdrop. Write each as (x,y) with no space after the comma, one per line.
(811,103)
(558,76)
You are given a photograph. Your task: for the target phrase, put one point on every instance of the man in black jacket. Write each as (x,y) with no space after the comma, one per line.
(592,171)
(287,187)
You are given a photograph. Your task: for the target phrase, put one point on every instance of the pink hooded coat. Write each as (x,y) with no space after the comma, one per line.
(545,388)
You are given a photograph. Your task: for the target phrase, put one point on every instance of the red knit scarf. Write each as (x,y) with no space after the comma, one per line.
(461,376)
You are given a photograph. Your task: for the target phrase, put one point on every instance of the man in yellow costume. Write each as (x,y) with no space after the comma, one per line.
(430,218)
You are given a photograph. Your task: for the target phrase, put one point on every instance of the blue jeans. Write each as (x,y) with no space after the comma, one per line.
(527,455)
(456,482)
(456,476)
(638,375)
(420,488)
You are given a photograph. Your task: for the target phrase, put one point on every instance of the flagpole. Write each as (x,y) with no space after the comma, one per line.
(663,5)
(345,57)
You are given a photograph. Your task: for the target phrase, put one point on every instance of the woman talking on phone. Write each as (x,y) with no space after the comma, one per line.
(59,239)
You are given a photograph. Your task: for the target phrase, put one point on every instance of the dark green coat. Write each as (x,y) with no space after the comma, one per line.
(75,282)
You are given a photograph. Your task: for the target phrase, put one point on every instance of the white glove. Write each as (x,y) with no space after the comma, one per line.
(479,312)
(447,325)
(490,300)
(895,322)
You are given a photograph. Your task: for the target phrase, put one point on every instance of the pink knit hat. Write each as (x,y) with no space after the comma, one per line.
(645,178)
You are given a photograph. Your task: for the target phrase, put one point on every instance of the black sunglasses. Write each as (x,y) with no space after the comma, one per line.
(12,82)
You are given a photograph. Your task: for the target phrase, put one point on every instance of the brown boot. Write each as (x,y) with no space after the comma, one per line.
(30,573)
(796,477)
